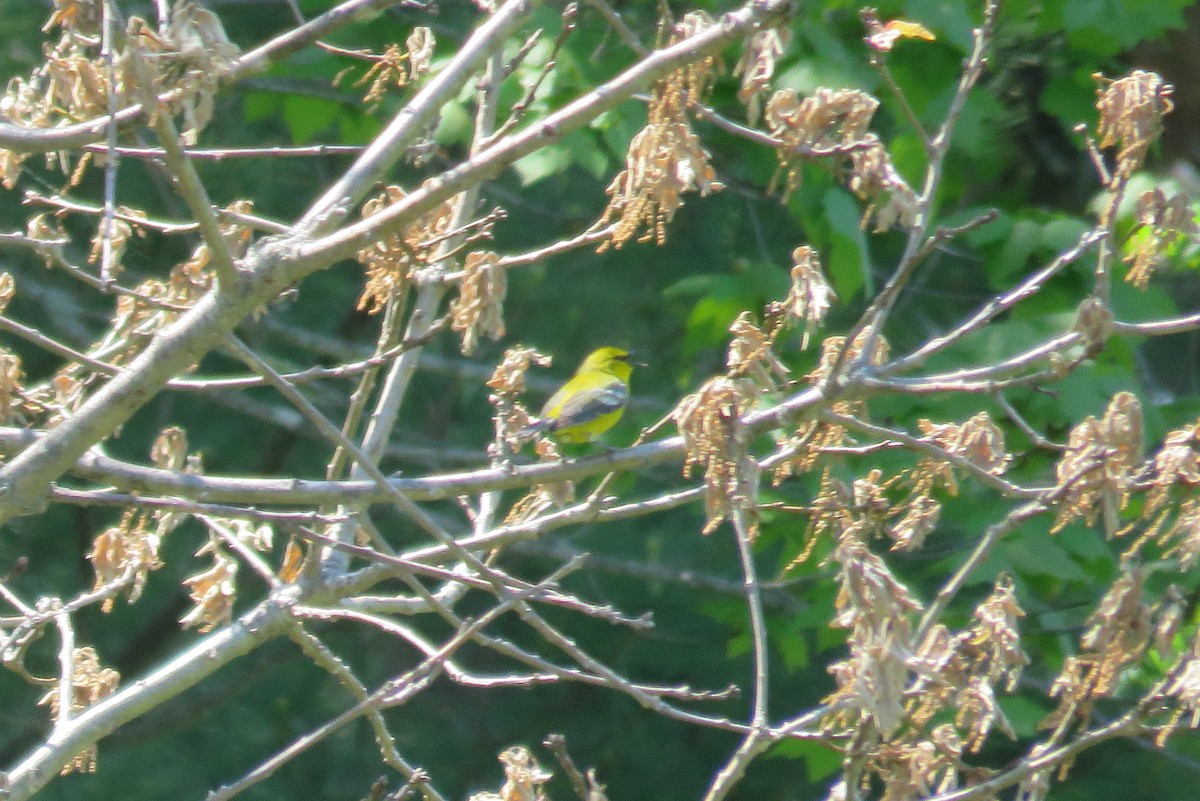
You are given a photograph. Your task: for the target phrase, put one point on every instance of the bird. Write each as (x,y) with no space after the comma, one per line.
(590,402)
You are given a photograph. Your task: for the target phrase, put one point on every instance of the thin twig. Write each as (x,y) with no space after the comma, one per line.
(391,143)
(980,474)
(872,321)
(111,159)
(321,654)
(248,554)
(983,549)
(557,744)
(101,497)
(1059,345)
(1020,422)
(758,739)
(1026,289)
(518,109)
(187,180)
(32,335)
(223,153)
(879,62)
(455,671)
(66,669)
(34,198)
(1157,328)
(498,583)
(391,693)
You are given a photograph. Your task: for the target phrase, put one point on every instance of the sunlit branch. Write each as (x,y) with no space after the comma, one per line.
(757,740)
(392,693)
(997,305)
(980,474)
(1155,328)
(20,139)
(488,162)
(411,121)
(874,318)
(139,221)
(223,153)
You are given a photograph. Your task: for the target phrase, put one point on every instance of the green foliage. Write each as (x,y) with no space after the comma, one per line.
(1104,27)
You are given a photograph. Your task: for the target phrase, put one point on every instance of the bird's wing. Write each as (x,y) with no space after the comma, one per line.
(583,407)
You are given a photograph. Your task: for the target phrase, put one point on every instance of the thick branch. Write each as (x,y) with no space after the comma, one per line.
(208,654)
(275,264)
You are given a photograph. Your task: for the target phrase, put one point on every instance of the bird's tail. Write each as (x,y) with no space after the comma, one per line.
(533,429)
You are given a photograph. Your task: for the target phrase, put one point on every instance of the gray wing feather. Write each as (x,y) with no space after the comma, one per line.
(581,409)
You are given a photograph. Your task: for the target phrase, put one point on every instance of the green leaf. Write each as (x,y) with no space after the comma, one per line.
(618,129)
(1039,554)
(833,65)
(1131,303)
(1023,713)
(454,127)
(1105,27)
(976,131)
(550,160)
(708,324)
(909,156)
(357,128)
(1010,262)
(589,158)
(738,645)
(789,639)
(1070,96)
(821,761)
(1062,234)
(1087,547)
(261,105)
(308,117)
(849,266)
(951,20)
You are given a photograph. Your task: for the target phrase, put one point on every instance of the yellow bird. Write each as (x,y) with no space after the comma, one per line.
(592,400)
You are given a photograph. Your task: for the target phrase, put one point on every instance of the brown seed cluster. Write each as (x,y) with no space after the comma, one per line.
(126,552)
(810,295)
(391,261)
(757,67)
(1162,223)
(186,60)
(665,159)
(828,118)
(542,497)
(901,508)
(394,68)
(837,122)
(876,608)
(212,592)
(89,683)
(508,384)
(523,778)
(893,690)
(709,421)
(1131,114)
(978,440)
(1115,637)
(479,306)
(1095,471)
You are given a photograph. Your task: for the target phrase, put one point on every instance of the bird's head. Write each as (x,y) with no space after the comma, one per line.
(612,361)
